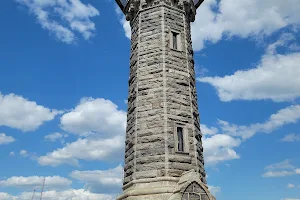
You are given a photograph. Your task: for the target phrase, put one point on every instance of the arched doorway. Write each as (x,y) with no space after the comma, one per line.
(195,192)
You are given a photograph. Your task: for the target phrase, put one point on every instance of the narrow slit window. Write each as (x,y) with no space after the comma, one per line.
(175,40)
(180,139)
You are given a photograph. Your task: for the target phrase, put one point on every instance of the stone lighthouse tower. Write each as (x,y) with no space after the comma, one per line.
(164,154)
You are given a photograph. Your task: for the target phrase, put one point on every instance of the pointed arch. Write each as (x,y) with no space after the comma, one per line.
(194,191)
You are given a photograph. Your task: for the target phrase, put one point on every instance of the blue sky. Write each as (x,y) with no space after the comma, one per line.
(64,68)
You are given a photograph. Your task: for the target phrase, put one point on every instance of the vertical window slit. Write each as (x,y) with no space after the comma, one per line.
(175,40)
(180,139)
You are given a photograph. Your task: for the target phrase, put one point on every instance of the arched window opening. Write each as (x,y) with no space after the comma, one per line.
(195,192)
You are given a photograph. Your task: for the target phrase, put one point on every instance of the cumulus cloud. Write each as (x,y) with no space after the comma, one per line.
(205,130)
(55,136)
(20,113)
(101,181)
(72,17)
(219,148)
(124,22)
(274,78)
(283,117)
(291,138)
(102,127)
(6,196)
(90,148)
(52,182)
(95,115)
(217,20)
(99,184)
(24,153)
(282,169)
(73,194)
(4,139)
(220,142)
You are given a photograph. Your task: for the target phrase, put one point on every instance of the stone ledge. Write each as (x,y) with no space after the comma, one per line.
(147,191)
(149,180)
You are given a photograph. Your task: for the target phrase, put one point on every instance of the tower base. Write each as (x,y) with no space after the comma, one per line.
(187,187)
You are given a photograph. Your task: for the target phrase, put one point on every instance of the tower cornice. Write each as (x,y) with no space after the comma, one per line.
(132,7)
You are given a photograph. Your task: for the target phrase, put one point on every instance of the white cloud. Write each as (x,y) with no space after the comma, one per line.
(281,169)
(278,174)
(24,153)
(274,78)
(217,20)
(6,196)
(99,181)
(55,136)
(95,115)
(70,194)
(12,153)
(200,70)
(20,113)
(124,22)
(4,139)
(205,130)
(36,182)
(291,138)
(281,165)
(74,17)
(102,125)
(90,148)
(214,190)
(218,148)
(290,199)
(290,185)
(219,143)
(283,117)
(295,186)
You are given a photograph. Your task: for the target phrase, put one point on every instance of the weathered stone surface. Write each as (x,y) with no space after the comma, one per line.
(162,96)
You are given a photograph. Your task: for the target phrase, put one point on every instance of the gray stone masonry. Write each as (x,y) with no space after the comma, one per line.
(162,97)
